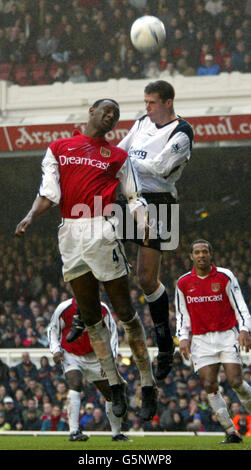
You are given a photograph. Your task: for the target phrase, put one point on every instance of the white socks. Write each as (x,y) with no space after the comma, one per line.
(115,422)
(73,409)
(244,394)
(219,406)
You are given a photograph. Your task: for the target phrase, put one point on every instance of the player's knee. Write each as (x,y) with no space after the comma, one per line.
(235,382)
(211,386)
(147,281)
(125,312)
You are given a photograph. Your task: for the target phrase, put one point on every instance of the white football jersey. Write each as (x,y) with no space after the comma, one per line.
(159,154)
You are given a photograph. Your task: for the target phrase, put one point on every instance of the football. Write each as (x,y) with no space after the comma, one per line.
(148,34)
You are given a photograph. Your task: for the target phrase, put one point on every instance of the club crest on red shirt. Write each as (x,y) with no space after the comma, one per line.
(215,287)
(105,152)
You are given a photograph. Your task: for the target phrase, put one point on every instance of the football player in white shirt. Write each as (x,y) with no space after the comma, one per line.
(159,145)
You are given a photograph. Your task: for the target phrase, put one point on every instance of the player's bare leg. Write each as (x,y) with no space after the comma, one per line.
(240,386)
(148,269)
(209,378)
(118,292)
(86,291)
(74,378)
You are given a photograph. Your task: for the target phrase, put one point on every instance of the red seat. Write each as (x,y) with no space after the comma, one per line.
(52,69)
(5,70)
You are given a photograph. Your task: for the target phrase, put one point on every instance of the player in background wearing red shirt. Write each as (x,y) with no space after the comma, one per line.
(79,361)
(75,171)
(213,323)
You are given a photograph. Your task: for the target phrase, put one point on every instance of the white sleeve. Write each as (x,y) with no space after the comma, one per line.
(112,327)
(54,331)
(126,142)
(175,153)
(130,186)
(50,186)
(238,303)
(183,321)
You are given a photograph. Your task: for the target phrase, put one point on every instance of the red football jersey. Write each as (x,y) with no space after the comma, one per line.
(213,303)
(82,345)
(87,168)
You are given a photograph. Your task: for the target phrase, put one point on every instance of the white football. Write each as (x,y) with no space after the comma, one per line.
(148,34)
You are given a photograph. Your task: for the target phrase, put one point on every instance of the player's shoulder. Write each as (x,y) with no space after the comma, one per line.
(63,306)
(225,272)
(143,121)
(66,144)
(184,127)
(183,279)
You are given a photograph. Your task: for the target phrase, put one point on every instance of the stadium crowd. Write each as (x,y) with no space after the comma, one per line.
(41,43)
(34,398)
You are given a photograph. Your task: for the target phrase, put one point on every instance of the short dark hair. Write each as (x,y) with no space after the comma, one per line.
(97,103)
(164,89)
(201,240)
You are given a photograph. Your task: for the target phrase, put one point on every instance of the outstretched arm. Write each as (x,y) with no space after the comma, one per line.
(40,205)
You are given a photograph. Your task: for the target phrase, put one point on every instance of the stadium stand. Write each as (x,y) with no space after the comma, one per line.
(32,33)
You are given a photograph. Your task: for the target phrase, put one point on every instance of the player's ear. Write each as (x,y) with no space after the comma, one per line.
(91,110)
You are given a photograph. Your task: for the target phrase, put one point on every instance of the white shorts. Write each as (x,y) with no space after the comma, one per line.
(91,245)
(215,347)
(88,365)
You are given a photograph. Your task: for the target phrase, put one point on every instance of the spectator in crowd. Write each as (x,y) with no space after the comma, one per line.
(153,425)
(65,45)
(246,68)
(87,416)
(26,366)
(4,425)
(55,422)
(210,68)
(11,414)
(32,423)
(238,56)
(99,421)
(47,45)
(46,411)
(242,422)
(176,422)
(136,425)
(76,74)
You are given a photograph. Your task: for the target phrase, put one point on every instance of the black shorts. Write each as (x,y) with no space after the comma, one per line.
(159,220)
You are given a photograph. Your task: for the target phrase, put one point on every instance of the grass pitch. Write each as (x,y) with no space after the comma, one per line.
(148,443)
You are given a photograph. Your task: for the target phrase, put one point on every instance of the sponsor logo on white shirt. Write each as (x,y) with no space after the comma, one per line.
(204,298)
(83,161)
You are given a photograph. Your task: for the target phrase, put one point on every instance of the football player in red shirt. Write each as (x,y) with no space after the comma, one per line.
(213,323)
(79,361)
(75,171)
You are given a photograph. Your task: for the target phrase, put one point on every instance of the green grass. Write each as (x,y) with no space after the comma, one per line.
(166,443)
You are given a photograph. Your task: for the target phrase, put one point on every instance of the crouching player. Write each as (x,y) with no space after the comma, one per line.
(79,361)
